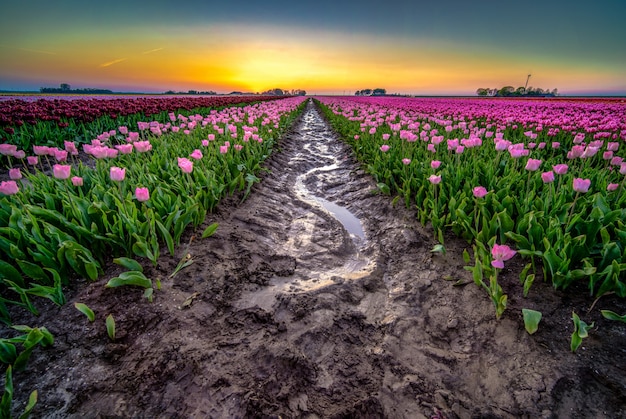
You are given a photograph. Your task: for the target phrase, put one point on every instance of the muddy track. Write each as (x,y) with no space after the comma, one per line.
(315,298)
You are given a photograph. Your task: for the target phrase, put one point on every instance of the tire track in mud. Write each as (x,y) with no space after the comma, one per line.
(315,298)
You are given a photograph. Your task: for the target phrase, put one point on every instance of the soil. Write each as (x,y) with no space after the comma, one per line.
(300,308)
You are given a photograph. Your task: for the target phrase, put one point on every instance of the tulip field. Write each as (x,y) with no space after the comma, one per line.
(86,182)
(134,189)
(544,179)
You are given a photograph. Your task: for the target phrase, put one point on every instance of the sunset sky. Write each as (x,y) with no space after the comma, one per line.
(323,46)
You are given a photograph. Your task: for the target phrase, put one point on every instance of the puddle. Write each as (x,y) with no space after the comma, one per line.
(345,217)
(323,259)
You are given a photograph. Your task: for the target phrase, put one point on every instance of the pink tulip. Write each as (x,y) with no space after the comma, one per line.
(15,174)
(479,191)
(61,171)
(406,161)
(142,194)
(77,181)
(533,164)
(197,154)
(132,137)
(612,186)
(40,150)
(205,143)
(211,137)
(547,177)
(238,147)
(386,137)
(435,164)
(9,187)
(500,254)
(384,148)
(123,130)
(117,174)
(8,149)
(356,137)
(622,169)
(560,169)
(434,179)
(60,155)
(125,148)
(70,147)
(185,165)
(142,146)
(32,160)
(581,185)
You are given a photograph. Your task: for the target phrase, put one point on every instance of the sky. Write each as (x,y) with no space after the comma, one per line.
(419,47)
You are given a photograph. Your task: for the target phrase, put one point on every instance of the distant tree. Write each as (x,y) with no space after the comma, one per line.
(520,91)
(65,87)
(379,92)
(482,91)
(506,91)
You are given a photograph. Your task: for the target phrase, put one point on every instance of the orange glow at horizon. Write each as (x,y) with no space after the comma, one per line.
(227,58)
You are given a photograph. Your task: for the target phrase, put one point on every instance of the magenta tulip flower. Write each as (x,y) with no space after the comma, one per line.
(435,164)
(9,187)
(479,191)
(61,171)
(560,169)
(547,177)
(197,154)
(533,164)
(205,143)
(612,186)
(142,146)
(406,161)
(77,181)
(384,148)
(581,185)
(500,254)
(15,174)
(142,194)
(117,174)
(8,149)
(32,160)
(223,149)
(185,165)
(434,179)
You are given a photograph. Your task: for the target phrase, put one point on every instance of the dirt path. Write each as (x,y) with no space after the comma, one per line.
(317,298)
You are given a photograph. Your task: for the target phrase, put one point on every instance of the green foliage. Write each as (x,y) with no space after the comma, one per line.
(531,320)
(581,331)
(611,315)
(83,308)
(210,230)
(110,325)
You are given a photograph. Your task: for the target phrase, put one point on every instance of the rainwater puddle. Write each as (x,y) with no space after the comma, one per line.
(317,266)
(345,217)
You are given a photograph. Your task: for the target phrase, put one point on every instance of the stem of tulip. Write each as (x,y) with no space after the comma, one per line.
(571,211)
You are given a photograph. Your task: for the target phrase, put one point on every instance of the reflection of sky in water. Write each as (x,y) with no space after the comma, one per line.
(345,217)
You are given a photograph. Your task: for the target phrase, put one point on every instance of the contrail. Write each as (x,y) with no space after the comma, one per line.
(119,60)
(152,50)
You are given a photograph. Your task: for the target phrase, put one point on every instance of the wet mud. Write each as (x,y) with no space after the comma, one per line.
(317,298)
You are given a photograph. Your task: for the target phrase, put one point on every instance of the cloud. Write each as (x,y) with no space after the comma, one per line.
(119,60)
(152,50)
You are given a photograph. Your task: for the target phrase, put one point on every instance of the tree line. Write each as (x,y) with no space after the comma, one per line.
(371,92)
(510,91)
